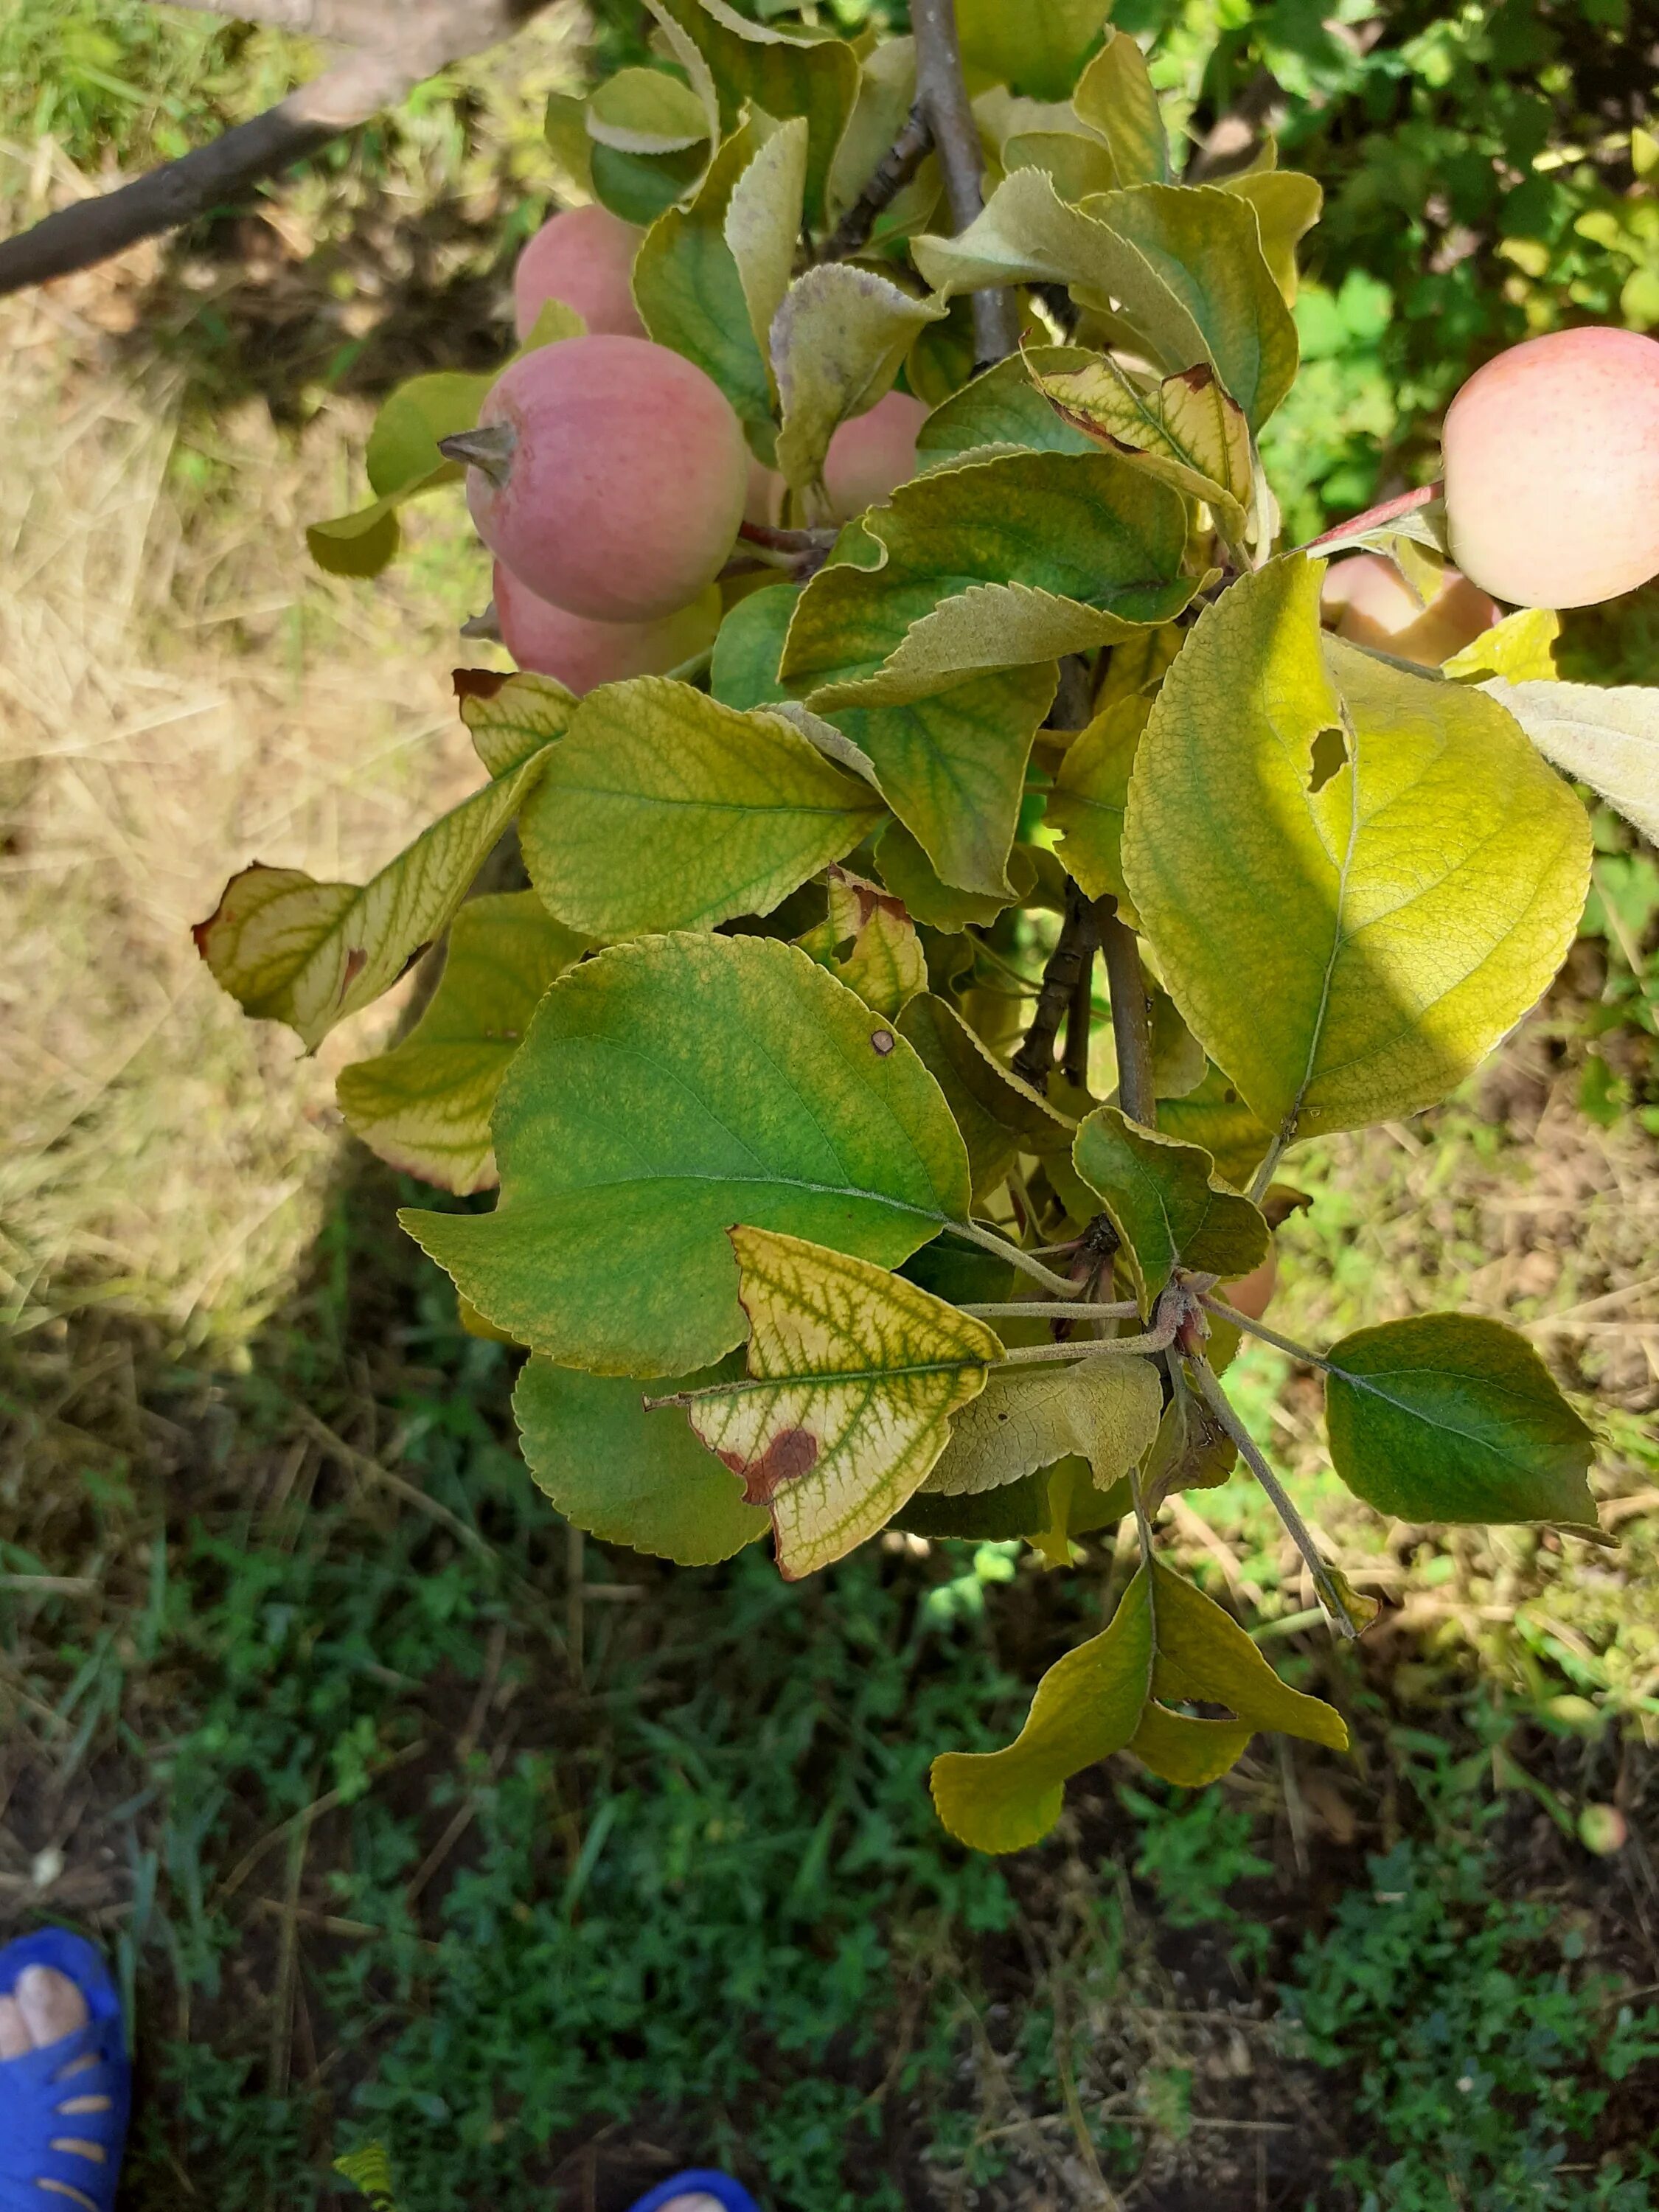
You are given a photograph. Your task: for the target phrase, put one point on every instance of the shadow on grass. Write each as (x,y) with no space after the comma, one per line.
(314,1758)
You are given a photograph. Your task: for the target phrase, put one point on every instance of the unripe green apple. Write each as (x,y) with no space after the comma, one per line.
(1369,602)
(609,475)
(584,654)
(871,455)
(1551,464)
(584,257)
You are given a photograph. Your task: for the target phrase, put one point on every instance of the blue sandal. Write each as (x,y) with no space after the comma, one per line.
(720,2186)
(34,2088)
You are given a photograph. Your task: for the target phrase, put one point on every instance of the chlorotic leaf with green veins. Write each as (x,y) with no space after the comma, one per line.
(1451,1418)
(1186,429)
(664,810)
(425,1106)
(868,942)
(666,1089)
(778,72)
(1036,47)
(1214,1114)
(763,225)
(999,1115)
(853,1374)
(690,293)
(1079,548)
(1184,264)
(289,949)
(1354,878)
(1114,96)
(1003,409)
(510,718)
(1088,1705)
(1287,206)
(1165,1203)
(838,339)
(1105,1409)
(1608,739)
(628,1476)
(1091,793)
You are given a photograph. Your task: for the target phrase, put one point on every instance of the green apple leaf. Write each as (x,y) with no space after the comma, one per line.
(750,646)
(764,223)
(1214,1116)
(1608,739)
(628,1476)
(289,949)
(424,1106)
(868,942)
(1073,1505)
(1203,1656)
(1354,878)
(664,810)
(1183,263)
(1287,207)
(1091,794)
(690,292)
(1079,162)
(1005,409)
(1105,1410)
(666,1089)
(1088,1705)
(1037,47)
(1114,96)
(1521,648)
(999,1116)
(647,110)
(1186,431)
(510,719)
(779,73)
(1451,1417)
(1076,549)
(853,1374)
(838,339)
(1165,1203)
(910,875)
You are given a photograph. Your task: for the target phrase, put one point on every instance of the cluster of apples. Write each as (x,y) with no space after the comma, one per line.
(1551,490)
(610,476)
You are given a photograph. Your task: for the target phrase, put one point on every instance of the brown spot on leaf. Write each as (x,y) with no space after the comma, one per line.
(356,960)
(791,1454)
(478,683)
(881,1041)
(1199,378)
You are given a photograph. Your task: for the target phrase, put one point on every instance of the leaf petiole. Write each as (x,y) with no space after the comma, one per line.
(1045,1309)
(1222,1407)
(989,1241)
(1254,1328)
(1090,1348)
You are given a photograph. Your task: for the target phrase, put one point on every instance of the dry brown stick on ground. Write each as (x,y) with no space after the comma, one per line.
(420,36)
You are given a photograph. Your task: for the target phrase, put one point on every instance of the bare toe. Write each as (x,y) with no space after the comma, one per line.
(52,2006)
(15,2038)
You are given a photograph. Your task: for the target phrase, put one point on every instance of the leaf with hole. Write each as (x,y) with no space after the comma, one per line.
(1354,878)
(1454,1417)
(666,1089)
(853,1374)
(425,1106)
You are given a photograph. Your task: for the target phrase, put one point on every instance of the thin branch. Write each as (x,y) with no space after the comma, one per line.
(1069,966)
(989,1241)
(1079,1018)
(942,96)
(892,173)
(426,36)
(1132,1027)
(1301,1352)
(1329,1596)
(1042,1309)
(1261,1181)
